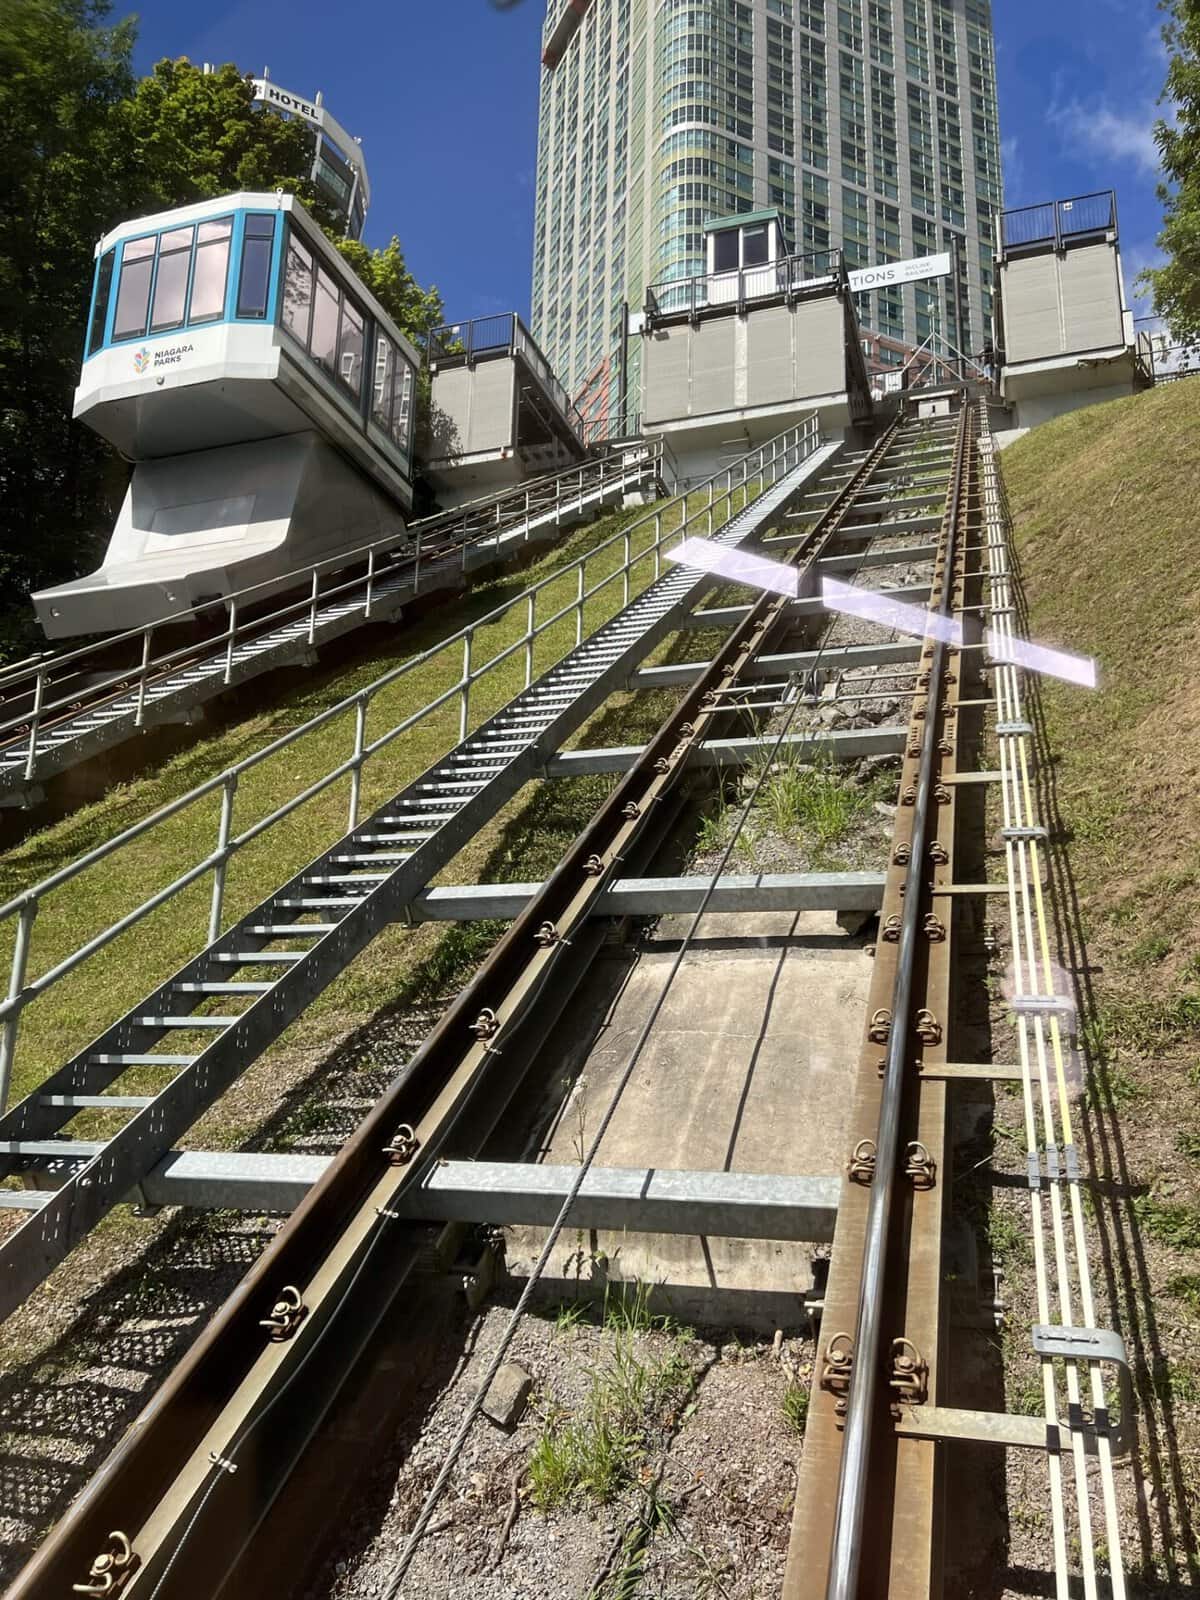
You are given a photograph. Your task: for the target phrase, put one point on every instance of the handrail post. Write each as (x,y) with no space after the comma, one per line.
(16,984)
(628,548)
(360,739)
(39,695)
(229,646)
(417,568)
(658,539)
(370,582)
(224,830)
(530,614)
(140,718)
(711,488)
(465,704)
(579,588)
(312,609)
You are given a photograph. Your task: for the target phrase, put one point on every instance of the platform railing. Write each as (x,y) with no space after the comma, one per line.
(464,343)
(737,287)
(465,531)
(1057,221)
(638,553)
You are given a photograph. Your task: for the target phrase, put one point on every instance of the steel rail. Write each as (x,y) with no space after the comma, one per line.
(851,1499)
(173,1468)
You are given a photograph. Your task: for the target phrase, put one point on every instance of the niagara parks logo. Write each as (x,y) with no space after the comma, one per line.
(141,360)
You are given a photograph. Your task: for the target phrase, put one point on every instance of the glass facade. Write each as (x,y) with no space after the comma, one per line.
(871,124)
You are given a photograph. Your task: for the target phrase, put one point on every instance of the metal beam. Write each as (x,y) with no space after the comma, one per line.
(730,1205)
(652,897)
(730,616)
(844,744)
(843,659)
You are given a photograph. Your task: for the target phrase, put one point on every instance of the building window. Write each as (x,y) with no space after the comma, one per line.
(133,291)
(211,271)
(104,277)
(297,289)
(171,279)
(254,279)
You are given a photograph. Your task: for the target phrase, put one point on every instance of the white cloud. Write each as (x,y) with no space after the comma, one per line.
(1014,171)
(1102,132)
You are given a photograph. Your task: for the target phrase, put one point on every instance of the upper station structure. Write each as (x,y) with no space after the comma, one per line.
(339,169)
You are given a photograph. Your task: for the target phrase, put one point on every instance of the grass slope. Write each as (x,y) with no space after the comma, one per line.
(1104,505)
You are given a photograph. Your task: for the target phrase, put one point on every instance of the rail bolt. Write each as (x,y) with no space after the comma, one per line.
(288,1312)
(881,1026)
(909,797)
(402,1146)
(891,929)
(902,855)
(942,794)
(910,1373)
(919,1166)
(861,1166)
(112,1567)
(631,810)
(547,935)
(593,866)
(938,854)
(929,1029)
(934,927)
(837,1364)
(486,1024)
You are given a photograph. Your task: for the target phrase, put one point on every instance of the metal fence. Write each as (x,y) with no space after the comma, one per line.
(1057,221)
(688,296)
(47,687)
(638,550)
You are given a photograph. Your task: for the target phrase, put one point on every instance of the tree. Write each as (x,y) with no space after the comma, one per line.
(196,135)
(415,311)
(63,178)
(1176,285)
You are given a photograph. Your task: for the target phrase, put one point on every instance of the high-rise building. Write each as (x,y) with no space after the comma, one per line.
(870,124)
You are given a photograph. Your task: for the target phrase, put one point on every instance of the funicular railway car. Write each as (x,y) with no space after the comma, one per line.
(264,396)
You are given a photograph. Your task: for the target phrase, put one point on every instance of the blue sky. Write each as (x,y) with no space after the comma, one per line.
(443,94)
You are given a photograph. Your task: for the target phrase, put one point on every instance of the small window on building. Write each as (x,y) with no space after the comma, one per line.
(104,275)
(322,345)
(254,279)
(385,366)
(211,272)
(171,280)
(402,406)
(133,289)
(350,348)
(755,246)
(725,251)
(297,289)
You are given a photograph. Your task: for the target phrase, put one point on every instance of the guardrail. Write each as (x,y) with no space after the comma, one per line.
(1057,221)
(465,530)
(639,548)
(688,296)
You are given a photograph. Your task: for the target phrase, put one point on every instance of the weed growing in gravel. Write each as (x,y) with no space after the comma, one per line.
(597,1450)
(1007,1236)
(1170,1223)
(1153,948)
(794,1406)
(1188,1144)
(1185,1286)
(811,799)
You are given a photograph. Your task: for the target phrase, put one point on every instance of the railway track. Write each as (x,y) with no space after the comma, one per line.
(177,1509)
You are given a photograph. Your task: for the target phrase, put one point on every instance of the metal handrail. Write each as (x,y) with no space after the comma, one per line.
(763,466)
(716,290)
(541,494)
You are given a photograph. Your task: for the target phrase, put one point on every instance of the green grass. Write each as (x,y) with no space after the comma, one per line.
(1185,1287)
(814,801)
(1171,1222)
(55,1027)
(594,1451)
(794,1407)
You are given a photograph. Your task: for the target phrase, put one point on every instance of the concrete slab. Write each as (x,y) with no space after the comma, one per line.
(746,1070)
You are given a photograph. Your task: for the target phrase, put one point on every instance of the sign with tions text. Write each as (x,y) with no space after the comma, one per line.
(890,274)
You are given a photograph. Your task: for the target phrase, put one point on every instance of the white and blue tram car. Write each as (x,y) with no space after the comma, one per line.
(264,396)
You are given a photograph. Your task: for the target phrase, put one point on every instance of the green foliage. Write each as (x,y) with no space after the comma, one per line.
(794,1406)
(1171,1223)
(63,76)
(416,311)
(1176,285)
(83,146)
